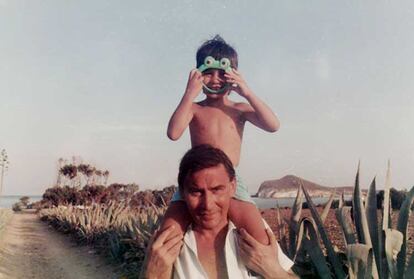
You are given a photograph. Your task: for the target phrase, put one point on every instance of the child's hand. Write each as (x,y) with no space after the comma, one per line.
(238,83)
(194,84)
(262,259)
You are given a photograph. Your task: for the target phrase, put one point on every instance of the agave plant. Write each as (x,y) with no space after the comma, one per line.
(374,249)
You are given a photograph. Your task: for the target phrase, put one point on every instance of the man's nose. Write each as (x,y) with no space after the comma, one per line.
(207,201)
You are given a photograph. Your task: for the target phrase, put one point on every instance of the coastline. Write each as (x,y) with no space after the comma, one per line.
(8,200)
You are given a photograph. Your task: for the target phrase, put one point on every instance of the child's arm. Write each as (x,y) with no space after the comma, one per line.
(258,113)
(246,215)
(183,114)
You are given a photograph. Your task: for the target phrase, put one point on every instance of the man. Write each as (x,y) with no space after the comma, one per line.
(211,247)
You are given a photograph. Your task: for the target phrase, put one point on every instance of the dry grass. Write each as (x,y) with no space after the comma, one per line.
(117,230)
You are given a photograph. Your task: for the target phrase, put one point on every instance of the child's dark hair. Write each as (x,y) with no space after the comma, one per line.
(217,48)
(202,157)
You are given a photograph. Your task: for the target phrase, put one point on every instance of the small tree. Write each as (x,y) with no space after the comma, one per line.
(105,176)
(397,198)
(4,165)
(25,200)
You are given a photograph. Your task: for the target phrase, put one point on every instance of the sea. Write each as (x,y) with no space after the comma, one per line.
(284,202)
(8,201)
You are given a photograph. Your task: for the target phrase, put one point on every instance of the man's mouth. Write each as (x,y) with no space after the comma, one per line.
(209,215)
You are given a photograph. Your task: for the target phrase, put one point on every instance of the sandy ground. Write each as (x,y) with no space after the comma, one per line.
(30,249)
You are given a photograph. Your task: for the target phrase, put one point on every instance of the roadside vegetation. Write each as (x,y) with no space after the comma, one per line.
(118,221)
(23,203)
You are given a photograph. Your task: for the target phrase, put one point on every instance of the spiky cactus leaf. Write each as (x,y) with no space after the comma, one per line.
(372,218)
(312,247)
(402,226)
(294,221)
(299,237)
(360,261)
(393,242)
(327,207)
(341,200)
(410,267)
(301,234)
(386,221)
(360,219)
(281,231)
(333,258)
(343,217)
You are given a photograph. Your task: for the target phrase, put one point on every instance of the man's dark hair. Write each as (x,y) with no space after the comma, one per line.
(217,48)
(202,157)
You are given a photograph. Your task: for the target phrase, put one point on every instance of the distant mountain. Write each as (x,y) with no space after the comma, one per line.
(287,187)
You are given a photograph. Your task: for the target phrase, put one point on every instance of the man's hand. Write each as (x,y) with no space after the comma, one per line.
(238,83)
(162,252)
(194,84)
(262,259)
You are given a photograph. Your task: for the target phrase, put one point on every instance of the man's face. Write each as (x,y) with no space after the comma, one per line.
(208,193)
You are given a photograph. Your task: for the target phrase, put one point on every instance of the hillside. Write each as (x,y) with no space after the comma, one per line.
(287,187)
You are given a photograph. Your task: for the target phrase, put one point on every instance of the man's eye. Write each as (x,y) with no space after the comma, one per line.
(194,192)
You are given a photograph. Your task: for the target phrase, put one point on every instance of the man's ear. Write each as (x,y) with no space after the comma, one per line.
(233,186)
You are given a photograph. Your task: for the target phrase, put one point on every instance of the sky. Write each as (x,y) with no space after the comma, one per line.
(100,79)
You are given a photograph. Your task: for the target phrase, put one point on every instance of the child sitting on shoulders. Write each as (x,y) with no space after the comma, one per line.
(220,122)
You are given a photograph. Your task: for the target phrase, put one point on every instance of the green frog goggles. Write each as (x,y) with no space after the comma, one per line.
(211,63)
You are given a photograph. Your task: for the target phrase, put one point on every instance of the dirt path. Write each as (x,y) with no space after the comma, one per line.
(30,249)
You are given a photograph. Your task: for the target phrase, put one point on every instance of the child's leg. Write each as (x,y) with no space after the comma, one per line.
(246,215)
(177,214)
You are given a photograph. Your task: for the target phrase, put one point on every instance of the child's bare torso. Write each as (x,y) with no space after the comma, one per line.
(220,126)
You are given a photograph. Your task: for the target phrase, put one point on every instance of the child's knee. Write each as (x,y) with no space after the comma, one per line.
(176,215)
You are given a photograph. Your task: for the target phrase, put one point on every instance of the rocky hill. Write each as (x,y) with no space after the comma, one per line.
(287,187)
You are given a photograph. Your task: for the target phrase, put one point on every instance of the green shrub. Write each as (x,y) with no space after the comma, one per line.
(18,206)
(25,200)
(397,198)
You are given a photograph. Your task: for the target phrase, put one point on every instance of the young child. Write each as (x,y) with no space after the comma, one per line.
(218,121)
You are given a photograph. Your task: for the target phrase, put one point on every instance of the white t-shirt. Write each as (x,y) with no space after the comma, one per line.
(187,264)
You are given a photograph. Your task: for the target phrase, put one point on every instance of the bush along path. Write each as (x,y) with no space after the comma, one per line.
(29,248)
